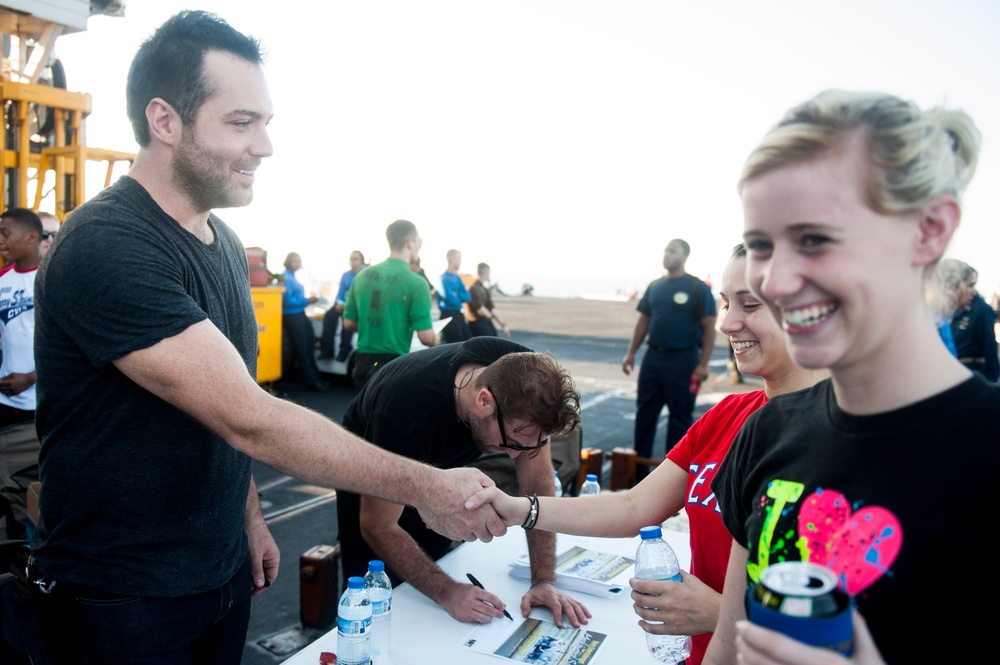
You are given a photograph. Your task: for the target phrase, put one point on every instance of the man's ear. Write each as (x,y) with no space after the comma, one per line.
(164,122)
(484,399)
(937,225)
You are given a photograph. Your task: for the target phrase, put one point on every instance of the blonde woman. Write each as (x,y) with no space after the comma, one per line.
(886,472)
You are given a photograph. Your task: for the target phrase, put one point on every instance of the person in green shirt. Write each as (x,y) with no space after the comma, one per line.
(387,303)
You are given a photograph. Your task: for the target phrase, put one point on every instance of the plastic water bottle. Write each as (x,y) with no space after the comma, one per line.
(590,486)
(379,590)
(558,486)
(354,625)
(655,560)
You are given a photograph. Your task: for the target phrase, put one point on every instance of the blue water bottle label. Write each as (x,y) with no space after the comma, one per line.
(354,626)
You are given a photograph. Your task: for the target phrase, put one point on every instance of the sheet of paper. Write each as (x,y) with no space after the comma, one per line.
(587,571)
(535,640)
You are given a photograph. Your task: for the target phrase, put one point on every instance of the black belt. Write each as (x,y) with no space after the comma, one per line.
(662,350)
(374,357)
(10,415)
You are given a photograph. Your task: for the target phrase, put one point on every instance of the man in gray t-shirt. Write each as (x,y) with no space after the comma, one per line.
(148,409)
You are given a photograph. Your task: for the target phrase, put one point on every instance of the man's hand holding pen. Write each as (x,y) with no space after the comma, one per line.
(479,585)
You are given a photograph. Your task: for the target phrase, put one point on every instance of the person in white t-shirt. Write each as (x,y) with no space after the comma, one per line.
(20,238)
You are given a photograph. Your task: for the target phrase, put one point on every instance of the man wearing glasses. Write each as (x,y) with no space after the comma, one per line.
(446,406)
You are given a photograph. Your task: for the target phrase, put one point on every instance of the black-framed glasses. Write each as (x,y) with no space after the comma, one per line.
(48,234)
(503,430)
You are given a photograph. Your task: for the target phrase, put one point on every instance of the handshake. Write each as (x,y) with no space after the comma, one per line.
(471,507)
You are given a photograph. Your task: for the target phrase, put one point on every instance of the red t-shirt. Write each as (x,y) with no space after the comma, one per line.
(700,452)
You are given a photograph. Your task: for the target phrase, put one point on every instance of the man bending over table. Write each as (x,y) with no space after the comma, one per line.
(446,406)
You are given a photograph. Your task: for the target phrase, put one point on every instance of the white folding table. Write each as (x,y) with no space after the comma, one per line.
(423,633)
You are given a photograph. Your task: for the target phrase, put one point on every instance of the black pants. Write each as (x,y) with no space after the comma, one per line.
(299,329)
(664,379)
(329,335)
(458,329)
(81,625)
(482,328)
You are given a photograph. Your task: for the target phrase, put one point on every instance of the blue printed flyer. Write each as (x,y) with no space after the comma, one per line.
(535,640)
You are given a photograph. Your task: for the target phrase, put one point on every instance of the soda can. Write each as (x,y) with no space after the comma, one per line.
(804,601)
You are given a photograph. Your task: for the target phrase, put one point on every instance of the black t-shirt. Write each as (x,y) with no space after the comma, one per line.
(408,406)
(899,504)
(137,497)
(675,307)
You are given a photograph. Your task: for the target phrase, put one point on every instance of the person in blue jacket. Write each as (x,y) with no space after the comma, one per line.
(451,299)
(296,325)
(942,296)
(972,328)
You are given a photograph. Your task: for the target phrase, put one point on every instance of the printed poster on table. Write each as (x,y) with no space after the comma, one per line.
(587,571)
(597,566)
(536,641)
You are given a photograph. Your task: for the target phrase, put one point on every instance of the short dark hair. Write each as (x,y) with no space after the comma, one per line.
(170,65)
(684,245)
(28,219)
(534,387)
(399,233)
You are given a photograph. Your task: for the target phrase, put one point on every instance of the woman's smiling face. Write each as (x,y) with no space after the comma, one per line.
(756,337)
(836,274)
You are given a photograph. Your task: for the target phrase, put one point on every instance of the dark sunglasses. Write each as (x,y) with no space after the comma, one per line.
(48,234)
(503,430)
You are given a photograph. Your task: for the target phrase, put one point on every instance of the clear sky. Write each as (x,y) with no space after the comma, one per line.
(562,141)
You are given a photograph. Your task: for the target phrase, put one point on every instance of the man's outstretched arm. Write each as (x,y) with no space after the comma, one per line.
(200,372)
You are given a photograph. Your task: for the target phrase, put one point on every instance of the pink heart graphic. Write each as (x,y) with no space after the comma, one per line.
(860,547)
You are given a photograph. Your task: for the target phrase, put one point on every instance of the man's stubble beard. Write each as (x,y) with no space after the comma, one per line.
(478,427)
(205,178)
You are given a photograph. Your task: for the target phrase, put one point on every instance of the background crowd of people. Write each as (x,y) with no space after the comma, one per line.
(464,300)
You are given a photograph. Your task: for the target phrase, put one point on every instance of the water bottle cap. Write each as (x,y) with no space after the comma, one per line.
(591,477)
(649,532)
(356,582)
(376,566)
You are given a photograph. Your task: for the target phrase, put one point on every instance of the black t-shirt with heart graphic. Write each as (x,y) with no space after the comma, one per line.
(898,504)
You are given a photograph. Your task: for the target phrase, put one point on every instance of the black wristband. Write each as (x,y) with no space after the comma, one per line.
(532,518)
